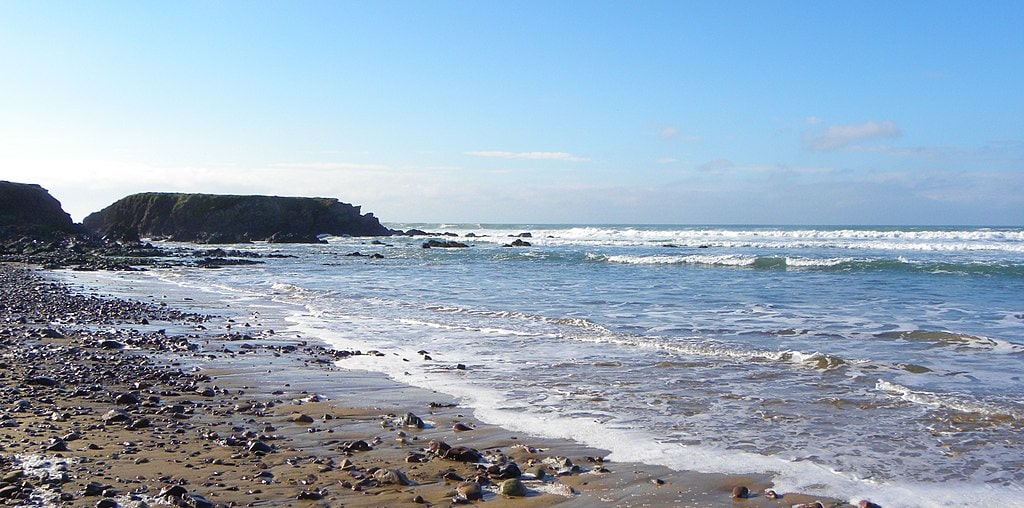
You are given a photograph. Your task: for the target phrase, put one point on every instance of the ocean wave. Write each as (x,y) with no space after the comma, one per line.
(993,410)
(958,341)
(828,264)
(909,238)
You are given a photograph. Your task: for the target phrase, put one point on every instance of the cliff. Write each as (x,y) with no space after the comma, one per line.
(210,218)
(29,210)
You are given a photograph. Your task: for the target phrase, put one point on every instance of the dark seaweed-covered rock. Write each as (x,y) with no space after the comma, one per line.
(443,244)
(210,218)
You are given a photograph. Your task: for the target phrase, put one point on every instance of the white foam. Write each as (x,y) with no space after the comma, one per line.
(948,401)
(908,239)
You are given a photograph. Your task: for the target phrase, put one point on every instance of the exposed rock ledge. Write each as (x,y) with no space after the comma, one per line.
(211,218)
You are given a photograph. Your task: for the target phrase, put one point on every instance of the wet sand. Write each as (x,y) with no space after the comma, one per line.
(112,402)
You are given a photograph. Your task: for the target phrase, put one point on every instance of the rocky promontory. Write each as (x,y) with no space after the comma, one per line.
(29,210)
(211,218)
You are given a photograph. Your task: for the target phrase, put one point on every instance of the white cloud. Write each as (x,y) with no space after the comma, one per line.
(551,156)
(835,137)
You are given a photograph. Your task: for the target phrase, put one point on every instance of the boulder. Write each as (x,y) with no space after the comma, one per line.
(512,488)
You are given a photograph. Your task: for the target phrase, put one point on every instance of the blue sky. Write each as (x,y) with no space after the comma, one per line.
(542,112)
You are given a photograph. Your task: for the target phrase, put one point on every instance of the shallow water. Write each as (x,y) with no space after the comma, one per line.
(882,363)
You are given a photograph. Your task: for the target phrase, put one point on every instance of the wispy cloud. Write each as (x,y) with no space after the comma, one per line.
(330,166)
(835,137)
(549,156)
(674,132)
(717,166)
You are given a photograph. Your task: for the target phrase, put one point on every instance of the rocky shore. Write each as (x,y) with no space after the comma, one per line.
(111,402)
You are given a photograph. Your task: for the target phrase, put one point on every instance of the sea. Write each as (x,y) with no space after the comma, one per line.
(857,362)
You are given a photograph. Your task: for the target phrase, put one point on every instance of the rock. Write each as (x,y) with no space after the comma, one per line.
(29,210)
(461,427)
(470,491)
(57,445)
(356,446)
(309,495)
(864,503)
(411,420)
(141,423)
(771,494)
(561,465)
(193,500)
(391,477)
(41,381)
(115,416)
(208,218)
(443,244)
(259,447)
(10,492)
(462,454)
(300,418)
(518,243)
(508,470)
(127,398)
(106,503)
(740,492)
(537,472)
(512,488)
(93,489)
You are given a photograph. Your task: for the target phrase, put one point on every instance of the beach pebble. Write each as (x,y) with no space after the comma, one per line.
(461,427)
(740,492)
(864,503)
(771,494)
(300,418)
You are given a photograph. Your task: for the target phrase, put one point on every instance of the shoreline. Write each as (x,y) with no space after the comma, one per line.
(212,394)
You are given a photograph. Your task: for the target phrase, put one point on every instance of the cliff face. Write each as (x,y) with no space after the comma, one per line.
(210,218)
(29,210)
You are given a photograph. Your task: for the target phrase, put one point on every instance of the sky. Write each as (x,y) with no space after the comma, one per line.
(554,111)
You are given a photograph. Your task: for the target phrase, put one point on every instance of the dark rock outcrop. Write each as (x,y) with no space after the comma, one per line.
(210,218)
(29,210)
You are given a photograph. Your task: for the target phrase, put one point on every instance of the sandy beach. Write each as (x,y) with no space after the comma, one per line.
(110,402)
